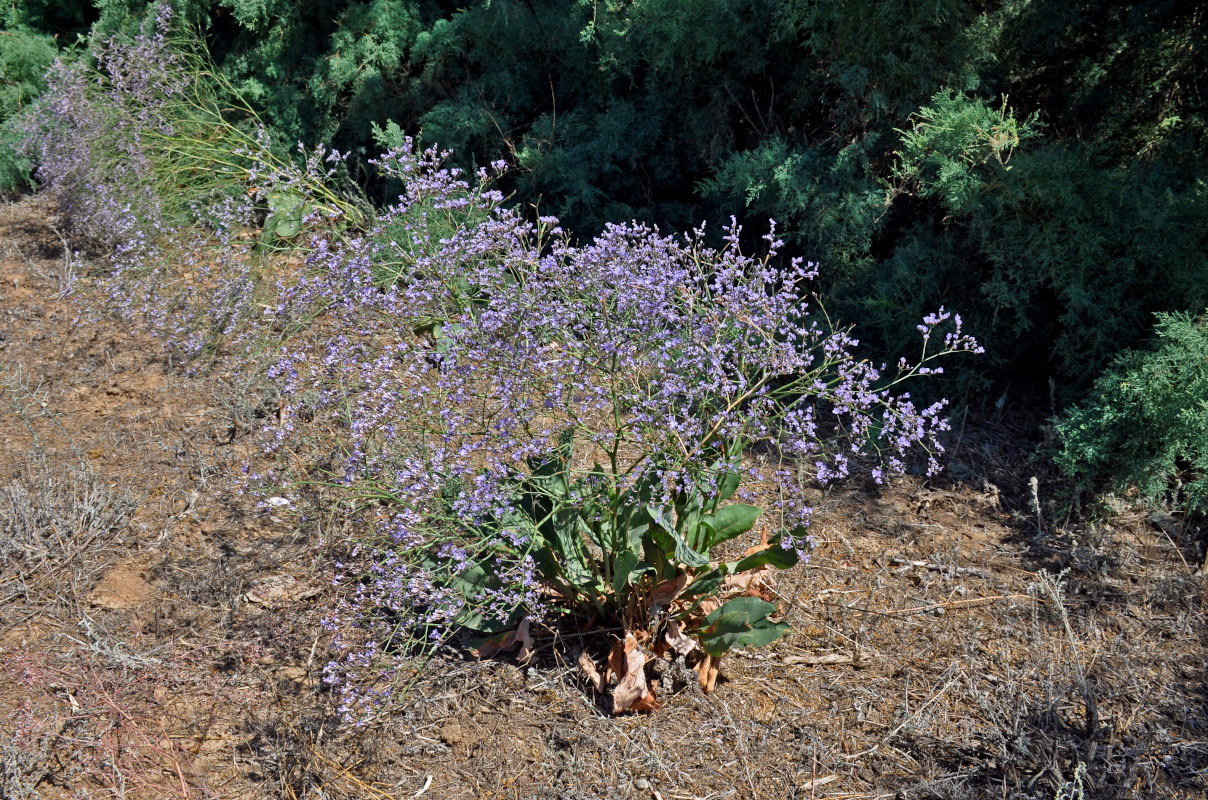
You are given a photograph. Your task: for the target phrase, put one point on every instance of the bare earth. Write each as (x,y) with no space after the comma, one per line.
(160,636)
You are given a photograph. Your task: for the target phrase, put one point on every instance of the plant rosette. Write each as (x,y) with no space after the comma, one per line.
(643,568)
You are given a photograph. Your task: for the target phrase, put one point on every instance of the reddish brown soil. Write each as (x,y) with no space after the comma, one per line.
(160,636)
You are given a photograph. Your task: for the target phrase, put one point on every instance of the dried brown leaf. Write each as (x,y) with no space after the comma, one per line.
(588,666)
(617,654)
(629,663)
(679,642)
(505,642)
(759,582)
(763,544)
(666,592)
(706,607)
(707,672)
(525,639)
(649,703)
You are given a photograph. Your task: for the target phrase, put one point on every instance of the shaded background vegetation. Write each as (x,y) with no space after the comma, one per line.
(1042,166)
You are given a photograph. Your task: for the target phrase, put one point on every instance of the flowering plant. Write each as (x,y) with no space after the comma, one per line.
(161,168)
(562,429)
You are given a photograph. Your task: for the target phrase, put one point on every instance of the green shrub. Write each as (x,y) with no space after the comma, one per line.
(955,146)
(1058,257)
(1081,253)
(832,207)
(1146,423)
(24,58)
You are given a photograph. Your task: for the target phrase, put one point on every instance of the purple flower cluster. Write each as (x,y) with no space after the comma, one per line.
(134,147)
(87,136)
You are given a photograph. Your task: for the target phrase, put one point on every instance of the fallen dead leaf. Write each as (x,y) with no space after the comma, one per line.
(505,642)
(668,590)
(629,663)
(763,544)
(649,703)
(679,642)
(588,667)
(707,671)
(759,583)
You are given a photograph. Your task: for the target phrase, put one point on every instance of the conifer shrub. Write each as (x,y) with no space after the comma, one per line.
(833,205)
(25,56)
(1146,422)
(1058,257)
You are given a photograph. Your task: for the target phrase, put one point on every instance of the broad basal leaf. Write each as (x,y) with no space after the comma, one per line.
(728,485)
(286,213)
(673,545)
(733,520)
(627,570)
(773,555)
(519,638)
(742,622)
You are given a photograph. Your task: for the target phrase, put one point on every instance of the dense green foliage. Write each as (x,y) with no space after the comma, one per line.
(1146,423)
(1057,253)
(1040,166)
(24,57)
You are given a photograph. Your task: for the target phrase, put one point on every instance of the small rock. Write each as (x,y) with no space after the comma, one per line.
(641,783)
(1165,522)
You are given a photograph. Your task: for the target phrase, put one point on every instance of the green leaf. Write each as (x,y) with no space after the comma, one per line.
(284,202)
(705,584)
(773,554)
(731,521)
(637,517)
(622,571)
(639,526)
(742,622)
(688,529)
(443,333)
(286,212)
(673,545)
(577,562)
(548,475)
(471,617)
(547,566)
(549,485)
(728,485)
(686,555)
(471,584)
